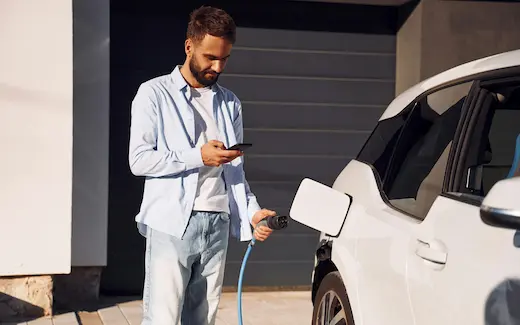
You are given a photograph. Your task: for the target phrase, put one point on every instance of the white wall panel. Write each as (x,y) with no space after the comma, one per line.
(35,136)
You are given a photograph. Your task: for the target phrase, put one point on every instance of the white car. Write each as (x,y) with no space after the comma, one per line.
(422,227)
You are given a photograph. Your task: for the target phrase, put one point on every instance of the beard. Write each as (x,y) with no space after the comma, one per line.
(200,75)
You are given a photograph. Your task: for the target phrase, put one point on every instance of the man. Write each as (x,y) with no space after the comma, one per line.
(195,189)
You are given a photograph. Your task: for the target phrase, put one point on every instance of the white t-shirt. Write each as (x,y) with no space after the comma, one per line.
(211,190)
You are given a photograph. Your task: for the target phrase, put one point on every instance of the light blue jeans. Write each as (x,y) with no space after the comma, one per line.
(183,278)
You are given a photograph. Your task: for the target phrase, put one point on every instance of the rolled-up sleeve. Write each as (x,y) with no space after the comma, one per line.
(143,157)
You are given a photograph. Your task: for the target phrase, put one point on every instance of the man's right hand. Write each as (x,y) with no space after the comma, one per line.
(214,154)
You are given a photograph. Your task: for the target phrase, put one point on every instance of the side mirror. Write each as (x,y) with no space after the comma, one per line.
(501,207)
(320,207)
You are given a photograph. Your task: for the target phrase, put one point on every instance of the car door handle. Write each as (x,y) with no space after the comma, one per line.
(432,252)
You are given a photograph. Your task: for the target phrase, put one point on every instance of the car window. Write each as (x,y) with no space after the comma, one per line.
(505,128)
(410,152)
(494,141)
(380,146)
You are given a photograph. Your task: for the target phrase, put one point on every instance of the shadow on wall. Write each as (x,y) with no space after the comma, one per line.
(11,309)
(502,304)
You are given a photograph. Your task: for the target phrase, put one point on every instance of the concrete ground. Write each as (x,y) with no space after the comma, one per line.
(259,308)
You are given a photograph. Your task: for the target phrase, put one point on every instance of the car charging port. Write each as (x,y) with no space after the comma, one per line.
(323,252)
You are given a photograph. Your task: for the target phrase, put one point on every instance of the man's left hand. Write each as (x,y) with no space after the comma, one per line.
(261,233)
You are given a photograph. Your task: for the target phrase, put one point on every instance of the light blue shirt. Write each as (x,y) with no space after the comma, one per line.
(162,148)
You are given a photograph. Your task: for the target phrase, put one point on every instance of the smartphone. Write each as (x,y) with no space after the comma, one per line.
(240,146)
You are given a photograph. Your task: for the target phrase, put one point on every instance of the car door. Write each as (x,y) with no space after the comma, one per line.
(409,166)
(456,264)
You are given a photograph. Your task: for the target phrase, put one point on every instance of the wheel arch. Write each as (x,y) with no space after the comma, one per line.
(324,266)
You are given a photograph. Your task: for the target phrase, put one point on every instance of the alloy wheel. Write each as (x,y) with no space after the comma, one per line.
(331,311)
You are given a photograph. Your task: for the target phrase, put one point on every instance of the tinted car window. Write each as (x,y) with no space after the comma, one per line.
(380,146)
(410,151)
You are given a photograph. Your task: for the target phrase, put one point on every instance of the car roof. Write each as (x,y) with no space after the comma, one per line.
(490,63)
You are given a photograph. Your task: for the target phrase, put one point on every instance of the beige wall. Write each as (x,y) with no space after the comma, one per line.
(35,136)
(441,34)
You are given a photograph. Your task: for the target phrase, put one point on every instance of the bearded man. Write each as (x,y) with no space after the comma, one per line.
(195,191)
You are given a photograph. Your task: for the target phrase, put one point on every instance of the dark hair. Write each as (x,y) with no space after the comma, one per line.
(212,21)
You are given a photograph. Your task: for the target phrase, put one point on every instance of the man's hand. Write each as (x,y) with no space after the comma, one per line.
(214,154)
(261,233)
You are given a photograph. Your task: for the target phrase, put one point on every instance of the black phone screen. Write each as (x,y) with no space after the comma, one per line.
(240,146)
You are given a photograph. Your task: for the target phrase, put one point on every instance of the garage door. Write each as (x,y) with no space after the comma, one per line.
(310,100)
(313,78)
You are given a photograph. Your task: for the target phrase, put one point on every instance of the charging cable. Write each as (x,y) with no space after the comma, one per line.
(275,223)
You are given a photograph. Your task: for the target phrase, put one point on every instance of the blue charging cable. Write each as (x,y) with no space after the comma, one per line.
(241,278)
(275,223)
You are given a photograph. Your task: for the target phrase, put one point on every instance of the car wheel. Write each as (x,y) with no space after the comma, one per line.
(332,306)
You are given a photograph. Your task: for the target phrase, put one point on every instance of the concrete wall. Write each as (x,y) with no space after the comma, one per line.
(91,127)
(35,136)
(439,35)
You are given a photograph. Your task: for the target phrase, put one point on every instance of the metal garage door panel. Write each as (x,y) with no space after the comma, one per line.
(274,194)
(271,274)
(293,168)
(310,116)
(313,90)
(311,63)
(310,100)
(309,40)
(265,252)
(305,142)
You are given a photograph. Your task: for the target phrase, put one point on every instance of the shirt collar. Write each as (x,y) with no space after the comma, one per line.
(181,83)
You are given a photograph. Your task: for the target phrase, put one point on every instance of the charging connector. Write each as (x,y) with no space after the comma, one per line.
(275,223)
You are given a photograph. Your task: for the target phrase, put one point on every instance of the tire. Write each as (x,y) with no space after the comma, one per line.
(332,306)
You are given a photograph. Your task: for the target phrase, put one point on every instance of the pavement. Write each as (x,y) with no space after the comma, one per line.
(258,308)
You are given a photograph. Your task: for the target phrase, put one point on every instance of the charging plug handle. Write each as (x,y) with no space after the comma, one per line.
(275,222)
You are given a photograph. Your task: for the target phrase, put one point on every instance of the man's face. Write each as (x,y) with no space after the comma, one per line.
(208,58)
